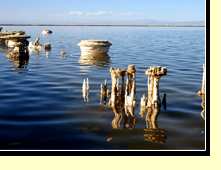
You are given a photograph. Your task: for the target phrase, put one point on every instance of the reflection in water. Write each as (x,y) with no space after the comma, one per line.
(203,106)
(202,92)
(101,60)
(164,101)
(85,90)
(155,138)
(19,56)
(47,53)
(104,93)
(19,63)
(153,112)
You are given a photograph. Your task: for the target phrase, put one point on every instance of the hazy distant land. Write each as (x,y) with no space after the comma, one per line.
(119,25)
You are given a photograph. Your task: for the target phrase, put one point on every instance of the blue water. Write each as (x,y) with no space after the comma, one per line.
(42,106)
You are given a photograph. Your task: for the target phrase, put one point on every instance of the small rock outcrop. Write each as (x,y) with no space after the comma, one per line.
(46,31)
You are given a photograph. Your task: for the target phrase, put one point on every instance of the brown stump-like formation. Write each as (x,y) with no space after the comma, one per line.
(20,51)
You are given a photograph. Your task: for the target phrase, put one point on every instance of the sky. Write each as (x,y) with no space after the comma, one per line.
(92,11)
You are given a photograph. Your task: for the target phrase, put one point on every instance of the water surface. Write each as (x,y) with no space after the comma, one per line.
(42,106)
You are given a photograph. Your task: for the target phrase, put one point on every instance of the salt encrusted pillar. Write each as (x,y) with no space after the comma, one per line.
(130,92)
(131,74)
(115,101)
(153,89)
(202,92)
(115,85)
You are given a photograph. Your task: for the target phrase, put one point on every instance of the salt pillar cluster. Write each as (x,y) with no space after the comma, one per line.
(123,96)
(126,98)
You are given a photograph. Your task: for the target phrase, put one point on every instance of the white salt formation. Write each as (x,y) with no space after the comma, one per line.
(89,47)
(10,40)
(6,32)
(36,46)
(46,31)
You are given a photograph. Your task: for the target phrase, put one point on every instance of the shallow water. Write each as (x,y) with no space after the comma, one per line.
(42,106)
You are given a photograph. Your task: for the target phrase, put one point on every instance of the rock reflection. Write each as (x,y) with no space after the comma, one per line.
(19,63)
(19,56)
(104,93)
(203,106)
(85,90)
(153,112)
(101,60)
(155,138)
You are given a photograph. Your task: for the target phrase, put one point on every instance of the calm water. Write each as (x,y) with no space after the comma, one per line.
(42,106)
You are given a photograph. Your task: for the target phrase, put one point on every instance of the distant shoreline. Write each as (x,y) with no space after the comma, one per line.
(112,25)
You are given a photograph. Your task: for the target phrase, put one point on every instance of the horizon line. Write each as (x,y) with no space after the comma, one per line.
(134,25)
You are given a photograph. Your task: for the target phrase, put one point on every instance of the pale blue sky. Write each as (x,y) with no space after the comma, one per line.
(65,11)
